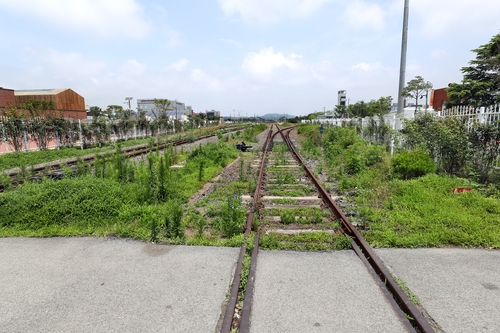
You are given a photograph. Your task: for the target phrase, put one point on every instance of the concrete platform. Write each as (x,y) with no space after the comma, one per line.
(459,288)
(93,285)
(318,292)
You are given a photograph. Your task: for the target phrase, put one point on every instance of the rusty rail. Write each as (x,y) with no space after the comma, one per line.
(364,249)
(233,297)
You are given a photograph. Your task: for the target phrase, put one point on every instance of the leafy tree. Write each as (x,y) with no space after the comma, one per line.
(161,107)
(373,108)
(380,107)
(481,83)
(113,111)
(485,140)
(341,111)
(12,126)
(95,111)
(39,108)
(358,109)
(416,88)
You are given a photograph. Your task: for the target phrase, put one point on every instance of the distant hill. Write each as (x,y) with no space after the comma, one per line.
(276,116)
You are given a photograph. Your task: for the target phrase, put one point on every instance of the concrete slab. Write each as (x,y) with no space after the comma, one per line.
(93,285)
(318,292)
(459,288)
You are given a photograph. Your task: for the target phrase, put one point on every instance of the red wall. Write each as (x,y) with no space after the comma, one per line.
(7,97)
(439,97)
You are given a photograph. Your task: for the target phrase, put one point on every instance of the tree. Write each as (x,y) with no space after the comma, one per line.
(113,111)
(358,109)
(417,88)
(373,108)
(95,111)
(481,83)
(161,107)
(380,107)
(341,111)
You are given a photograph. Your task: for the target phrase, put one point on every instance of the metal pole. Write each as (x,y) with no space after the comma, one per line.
(404,45)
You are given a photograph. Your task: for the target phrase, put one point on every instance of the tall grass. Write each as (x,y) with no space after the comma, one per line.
(421,212)
(139,200)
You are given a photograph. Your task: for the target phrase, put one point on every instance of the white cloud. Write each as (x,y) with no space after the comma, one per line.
(457,17)
(439,53)
(366,67)
(106,18)
(232,42)
(270,11)
(360,15)
(199,76)
(266,61)
(67,63)
(178,65)
(133,67)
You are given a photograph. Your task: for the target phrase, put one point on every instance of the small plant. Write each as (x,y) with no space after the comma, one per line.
(5,180)
(232,218)
(200,224)
(173,219)
(153,238)
(287,217)
(200,170)
(413,298)
(242,176)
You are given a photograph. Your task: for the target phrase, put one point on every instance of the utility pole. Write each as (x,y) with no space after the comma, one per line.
(404,45)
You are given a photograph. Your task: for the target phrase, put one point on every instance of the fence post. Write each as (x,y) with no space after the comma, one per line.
(26,144)
(80,133)
(481,115)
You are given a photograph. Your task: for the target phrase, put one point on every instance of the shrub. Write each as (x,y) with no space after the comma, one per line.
(412,164)
(374,155)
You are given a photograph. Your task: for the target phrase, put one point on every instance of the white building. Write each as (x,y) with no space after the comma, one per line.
(175,110)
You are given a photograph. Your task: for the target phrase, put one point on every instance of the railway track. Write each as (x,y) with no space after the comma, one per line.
(55,169)
(290,200)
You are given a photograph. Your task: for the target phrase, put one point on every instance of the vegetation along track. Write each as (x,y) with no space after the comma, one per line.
(55,169)
(290,207)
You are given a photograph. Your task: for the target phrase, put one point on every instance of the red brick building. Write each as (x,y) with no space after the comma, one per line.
(6,98)
(438,98)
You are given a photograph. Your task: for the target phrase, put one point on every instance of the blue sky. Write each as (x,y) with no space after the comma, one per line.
(253,56)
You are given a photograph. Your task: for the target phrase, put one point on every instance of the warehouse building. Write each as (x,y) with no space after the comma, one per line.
(67,103)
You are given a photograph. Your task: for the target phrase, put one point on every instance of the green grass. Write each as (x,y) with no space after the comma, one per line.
(310,241)
(421,212)
(127,206)
(27,159)
(285,201)
(424,213)
(292,191)
(411,296)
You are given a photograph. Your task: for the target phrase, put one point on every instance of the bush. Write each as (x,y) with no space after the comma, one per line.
(412,164)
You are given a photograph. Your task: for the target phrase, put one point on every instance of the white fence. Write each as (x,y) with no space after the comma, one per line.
(483,115)
(395,121)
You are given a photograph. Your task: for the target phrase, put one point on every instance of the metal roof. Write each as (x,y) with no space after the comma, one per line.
(39,92)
